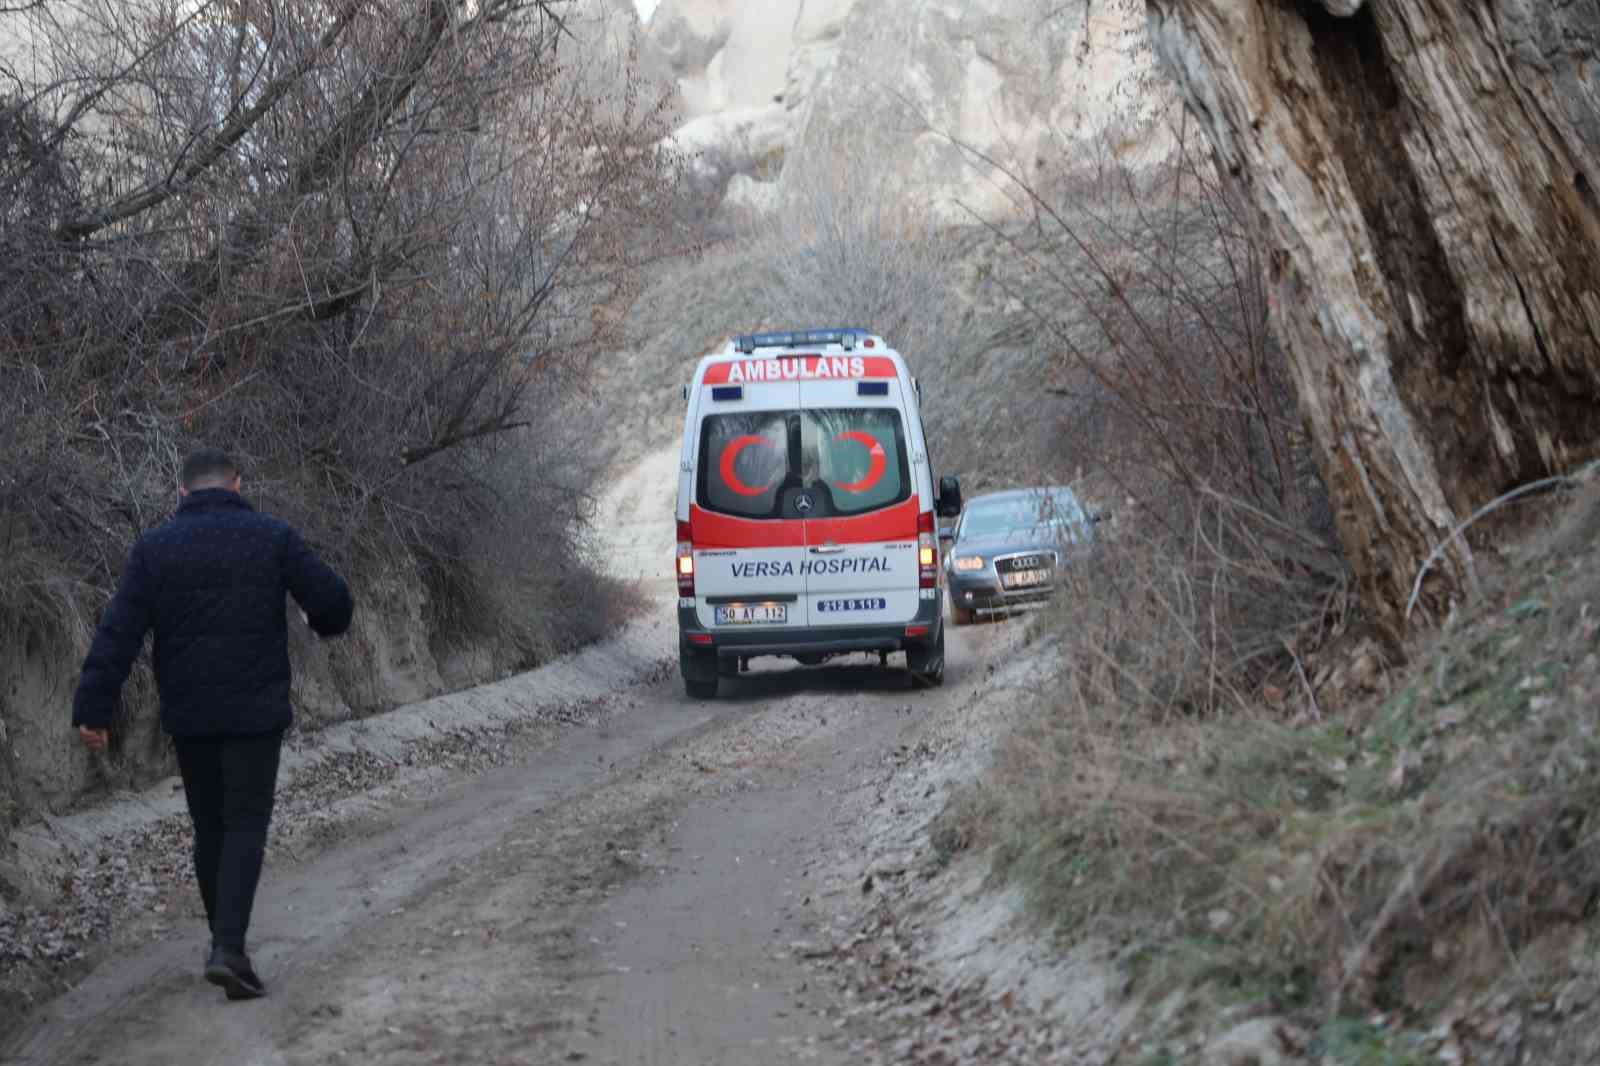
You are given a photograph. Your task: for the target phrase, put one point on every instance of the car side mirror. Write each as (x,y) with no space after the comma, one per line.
(948,503)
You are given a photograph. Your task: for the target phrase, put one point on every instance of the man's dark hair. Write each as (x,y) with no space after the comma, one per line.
(208,468)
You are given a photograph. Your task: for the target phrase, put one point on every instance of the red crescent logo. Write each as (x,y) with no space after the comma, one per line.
(879,463)
(730,455)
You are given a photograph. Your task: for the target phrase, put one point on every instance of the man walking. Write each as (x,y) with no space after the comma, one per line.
(210,583)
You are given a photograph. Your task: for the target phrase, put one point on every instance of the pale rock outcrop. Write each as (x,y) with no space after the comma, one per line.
(749,141)
(748,196)
(929,86)
(949,82)
(603,37)
(1251,1043)
(728,55)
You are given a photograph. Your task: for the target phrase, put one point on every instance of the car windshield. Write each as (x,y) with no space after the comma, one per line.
(1047,512)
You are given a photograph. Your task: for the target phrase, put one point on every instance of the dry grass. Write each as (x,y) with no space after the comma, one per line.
(1425,848)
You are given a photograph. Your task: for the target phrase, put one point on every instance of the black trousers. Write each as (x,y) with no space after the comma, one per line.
(229,782)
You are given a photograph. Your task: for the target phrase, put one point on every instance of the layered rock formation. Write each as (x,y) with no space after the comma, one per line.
(1424,172)
(765,83)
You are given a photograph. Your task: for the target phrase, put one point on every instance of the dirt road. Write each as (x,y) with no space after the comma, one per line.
(631,895)
(645,886)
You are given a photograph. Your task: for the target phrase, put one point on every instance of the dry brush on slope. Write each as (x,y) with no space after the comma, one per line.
(1140,288)
(370,248)
(1409,872)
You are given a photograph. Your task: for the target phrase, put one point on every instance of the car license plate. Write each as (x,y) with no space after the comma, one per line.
(1021,579)
(743,614)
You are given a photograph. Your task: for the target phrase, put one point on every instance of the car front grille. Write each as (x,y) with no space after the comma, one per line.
(1040,560)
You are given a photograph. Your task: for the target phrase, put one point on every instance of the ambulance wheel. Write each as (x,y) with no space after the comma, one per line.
(699,670)
(701,690)
(927,663)
(962,616)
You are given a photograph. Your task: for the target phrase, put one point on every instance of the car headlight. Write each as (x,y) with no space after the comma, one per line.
(969,562)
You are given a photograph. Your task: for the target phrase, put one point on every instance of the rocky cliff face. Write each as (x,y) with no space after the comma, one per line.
(1423,172)
(765,82)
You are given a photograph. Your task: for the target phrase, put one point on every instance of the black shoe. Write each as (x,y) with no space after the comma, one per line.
(232,971)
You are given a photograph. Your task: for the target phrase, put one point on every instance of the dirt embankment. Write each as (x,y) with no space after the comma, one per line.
(387,660)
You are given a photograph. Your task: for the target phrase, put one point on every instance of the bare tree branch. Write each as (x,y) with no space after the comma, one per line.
(215,147)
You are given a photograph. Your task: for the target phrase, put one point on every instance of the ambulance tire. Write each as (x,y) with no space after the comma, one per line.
(927,664)
(699,670)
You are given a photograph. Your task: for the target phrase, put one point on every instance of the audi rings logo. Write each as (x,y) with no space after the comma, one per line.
(1027,562)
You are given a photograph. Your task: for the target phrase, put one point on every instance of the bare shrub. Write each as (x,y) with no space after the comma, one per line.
(1199,779)
(1147,288)
(365,247)
(848,245)
(1144,289)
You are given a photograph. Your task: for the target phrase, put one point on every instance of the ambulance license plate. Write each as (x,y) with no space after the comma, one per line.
(1022,579)
(744,614)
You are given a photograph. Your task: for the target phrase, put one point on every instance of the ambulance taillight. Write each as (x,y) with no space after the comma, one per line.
(927,551)
(685,562)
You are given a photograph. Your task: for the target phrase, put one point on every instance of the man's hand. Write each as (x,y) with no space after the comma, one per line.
(94,739)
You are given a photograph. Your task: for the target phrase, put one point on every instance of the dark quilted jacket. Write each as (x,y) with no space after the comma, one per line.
(210,583)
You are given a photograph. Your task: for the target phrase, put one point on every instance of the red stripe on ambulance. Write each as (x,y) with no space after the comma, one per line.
(712,531)
(891,523)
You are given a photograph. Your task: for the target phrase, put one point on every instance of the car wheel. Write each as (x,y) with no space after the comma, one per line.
(699,670)
(962,616)
(810,658)
(927,663)
(701,690)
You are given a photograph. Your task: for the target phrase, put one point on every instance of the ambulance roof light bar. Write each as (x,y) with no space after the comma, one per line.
(801,338)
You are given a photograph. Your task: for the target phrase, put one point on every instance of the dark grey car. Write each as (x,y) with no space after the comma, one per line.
(1009,548)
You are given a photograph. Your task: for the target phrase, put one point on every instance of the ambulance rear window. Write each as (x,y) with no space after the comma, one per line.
(858,454)
(744,460)
(846,461)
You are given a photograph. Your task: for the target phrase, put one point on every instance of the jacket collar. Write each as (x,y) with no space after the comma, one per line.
(208,499)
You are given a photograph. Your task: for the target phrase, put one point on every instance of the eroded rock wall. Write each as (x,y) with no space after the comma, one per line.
(1021,81)
(1422,171)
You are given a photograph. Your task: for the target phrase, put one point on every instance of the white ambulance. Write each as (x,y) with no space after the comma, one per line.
(806,509)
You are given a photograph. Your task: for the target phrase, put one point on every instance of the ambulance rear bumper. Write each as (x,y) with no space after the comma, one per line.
(728,642)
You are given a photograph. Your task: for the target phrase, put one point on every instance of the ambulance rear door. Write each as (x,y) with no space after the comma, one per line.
(861,527)
(748,535)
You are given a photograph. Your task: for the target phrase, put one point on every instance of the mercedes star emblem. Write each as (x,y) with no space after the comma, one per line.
(803,503)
